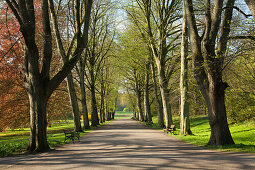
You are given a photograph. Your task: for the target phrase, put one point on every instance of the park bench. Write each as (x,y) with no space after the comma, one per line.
(71,135)
(171,129)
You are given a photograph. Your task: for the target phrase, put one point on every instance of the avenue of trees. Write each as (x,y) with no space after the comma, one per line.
(62,59)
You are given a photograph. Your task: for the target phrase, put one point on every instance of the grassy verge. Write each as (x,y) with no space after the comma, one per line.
(243,134)
(123,115)
(15,141)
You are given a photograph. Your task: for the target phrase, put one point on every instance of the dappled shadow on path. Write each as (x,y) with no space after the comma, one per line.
(126,144)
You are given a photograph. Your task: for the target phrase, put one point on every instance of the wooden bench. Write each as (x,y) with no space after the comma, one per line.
(71,135)
(171,129)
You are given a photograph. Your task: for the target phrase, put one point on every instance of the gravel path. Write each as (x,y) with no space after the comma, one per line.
(126,144)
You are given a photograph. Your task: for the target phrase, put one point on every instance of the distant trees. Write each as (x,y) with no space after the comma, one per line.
(100,43)
(132,60)
(155,21)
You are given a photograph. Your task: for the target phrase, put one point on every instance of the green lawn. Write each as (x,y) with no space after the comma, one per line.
(16,141)
(243,134)
(122,115)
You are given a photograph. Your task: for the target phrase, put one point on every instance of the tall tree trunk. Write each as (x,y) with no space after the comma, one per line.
(107,111)
(83,97)
(163,85)
(94,114)
(147,109)
(102,98)
(38,119)
(36,68)
(74,103)
(102,114)
(139,103)
(157,98)
(134,112)
(184,105)
(220,134)
(115,106)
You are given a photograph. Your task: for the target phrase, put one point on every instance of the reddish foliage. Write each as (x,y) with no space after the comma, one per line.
(14,104)
(13,99)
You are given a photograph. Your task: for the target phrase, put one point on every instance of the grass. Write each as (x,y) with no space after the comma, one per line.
(15,141)
(243,134)
(123,115)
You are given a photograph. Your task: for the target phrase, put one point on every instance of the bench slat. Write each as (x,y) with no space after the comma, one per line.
(171,129)
(71,135)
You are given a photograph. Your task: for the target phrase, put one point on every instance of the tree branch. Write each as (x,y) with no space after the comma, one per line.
(242,37)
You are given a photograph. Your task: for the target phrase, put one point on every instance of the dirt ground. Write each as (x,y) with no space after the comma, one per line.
(127,144)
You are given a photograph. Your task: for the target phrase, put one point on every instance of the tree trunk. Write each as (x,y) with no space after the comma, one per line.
(74,103)
(164,95)
(139,103)
(102,97)
(38,127)
(134,113)
(220,134)
(94,114)
(83,99)
(102,114)
(107,111)
(210,81)
(113,115)
(147,109)
(36,68)
(184,105)
(158,99)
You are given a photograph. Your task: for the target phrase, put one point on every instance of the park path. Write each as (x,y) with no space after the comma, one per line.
(127,144)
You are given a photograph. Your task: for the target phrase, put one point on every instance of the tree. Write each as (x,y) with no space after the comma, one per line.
(208,63)
(100,41)
(159,16)
(157,98)
(133,56)
(14,105)
(36,72)
(79,36)
(147,108)
(81,74)
(184,105)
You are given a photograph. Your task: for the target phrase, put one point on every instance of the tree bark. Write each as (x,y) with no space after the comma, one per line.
(94,114)
(210,83)
(220,134)
(38,120)
(163,85)
(36,68)
(107,110)
(102,95)
(158,99)
(147,109)
(83,96)
(139,101)
(74,103)
(184,105)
